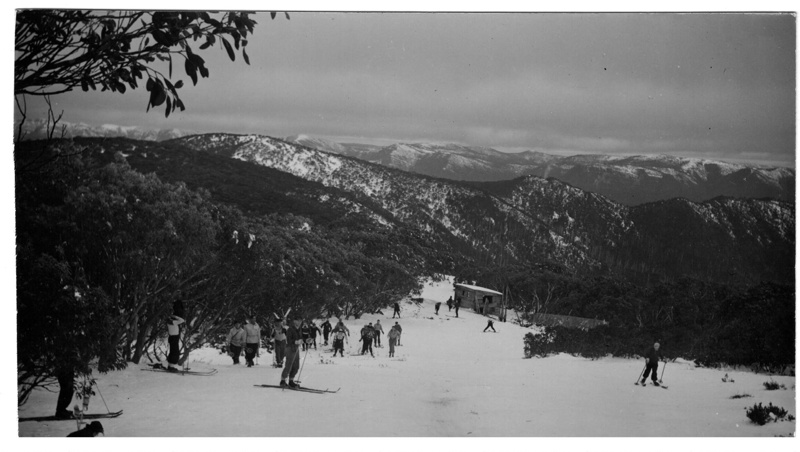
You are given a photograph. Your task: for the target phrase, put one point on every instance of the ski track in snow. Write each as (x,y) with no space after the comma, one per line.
(448,379)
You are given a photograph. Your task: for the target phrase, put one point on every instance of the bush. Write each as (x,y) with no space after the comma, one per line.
(773,385)
(760,414)
(538,345)
(740,396)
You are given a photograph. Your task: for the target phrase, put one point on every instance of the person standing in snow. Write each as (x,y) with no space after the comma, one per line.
(252,340)
(450,304)
(339,337)
(173,330)
(490,325)
(396,310)
(393,336)
(293,341)
(326,330)
(236,340)
(377,330)
(436,306)
(314,329)
(366,339)
(457,305)
(651,364)
(279,342)
(305,333)
(399,331)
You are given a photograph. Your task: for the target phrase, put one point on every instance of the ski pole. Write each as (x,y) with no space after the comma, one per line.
(661,380)
(101,395)
(299,374)
(640,373)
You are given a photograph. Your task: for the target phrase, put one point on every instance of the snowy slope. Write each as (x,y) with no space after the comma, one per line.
(448,379)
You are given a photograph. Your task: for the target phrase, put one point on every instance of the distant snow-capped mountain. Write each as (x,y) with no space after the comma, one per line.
(531,219)
(38,130)
(631,180)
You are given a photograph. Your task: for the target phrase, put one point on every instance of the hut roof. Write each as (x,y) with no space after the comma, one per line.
(479,289)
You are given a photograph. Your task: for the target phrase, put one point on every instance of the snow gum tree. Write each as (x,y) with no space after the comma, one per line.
(61,50)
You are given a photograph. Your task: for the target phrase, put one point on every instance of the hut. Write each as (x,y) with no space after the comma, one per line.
(480,299)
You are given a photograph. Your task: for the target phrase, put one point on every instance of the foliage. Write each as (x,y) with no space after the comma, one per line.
(740,396)
(759,414)
(105,250)
(538,345)
(63,321)
(710,323)
(60,50)
(773,385)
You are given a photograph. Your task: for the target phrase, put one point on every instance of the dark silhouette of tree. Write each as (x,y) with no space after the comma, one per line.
(58,51)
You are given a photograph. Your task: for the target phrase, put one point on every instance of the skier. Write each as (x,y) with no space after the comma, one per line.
(279,342)
(326,330)
(305,333)
(396,310)
(293,341)
(399,331)
(252,340)
(236,340)
(457,305)
(339,337)
(340,326)
(314,331)
(490,325)
(450,304)
(91,430)
(366,338)
(651,364)
(173,329)
(377,330)
(393,335)
(436,306)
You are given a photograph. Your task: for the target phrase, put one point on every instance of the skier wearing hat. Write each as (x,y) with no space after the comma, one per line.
(651,364)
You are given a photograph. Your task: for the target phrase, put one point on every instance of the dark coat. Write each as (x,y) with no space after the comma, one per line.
(653,356)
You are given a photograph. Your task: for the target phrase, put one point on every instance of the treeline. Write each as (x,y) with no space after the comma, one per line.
(713,324)
(103,251)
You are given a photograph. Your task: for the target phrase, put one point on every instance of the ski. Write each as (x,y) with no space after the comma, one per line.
(299,388)
(186,372)
(645,384)
(85,417)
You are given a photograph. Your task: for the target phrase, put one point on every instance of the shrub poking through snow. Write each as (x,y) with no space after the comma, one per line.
(538,345)
(773,385)
(740,396)
(760,414)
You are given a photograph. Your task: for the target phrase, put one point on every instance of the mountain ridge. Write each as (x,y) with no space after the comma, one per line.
(551,219)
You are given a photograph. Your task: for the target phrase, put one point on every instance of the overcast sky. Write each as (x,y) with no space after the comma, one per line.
(716,86)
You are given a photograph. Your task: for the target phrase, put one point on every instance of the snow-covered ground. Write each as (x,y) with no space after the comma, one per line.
(448,379)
